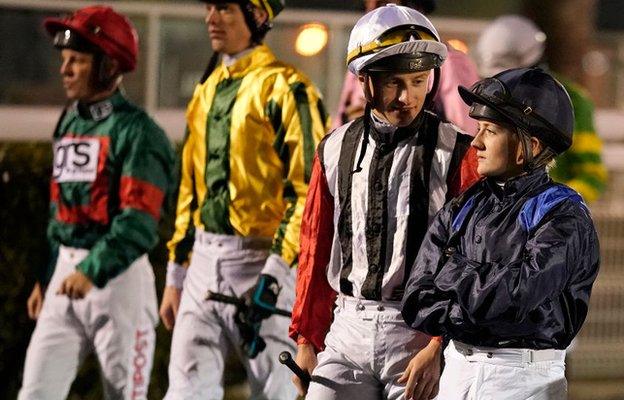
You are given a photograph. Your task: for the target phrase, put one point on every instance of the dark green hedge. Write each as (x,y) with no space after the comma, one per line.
(24,179)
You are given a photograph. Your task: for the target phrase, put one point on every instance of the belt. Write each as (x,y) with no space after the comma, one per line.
(357,304)
(230,242)
(478,353)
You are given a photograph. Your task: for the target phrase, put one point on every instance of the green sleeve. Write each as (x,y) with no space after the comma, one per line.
(581,166)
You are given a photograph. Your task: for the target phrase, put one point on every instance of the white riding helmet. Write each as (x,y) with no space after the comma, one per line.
(510,41)
(401,33)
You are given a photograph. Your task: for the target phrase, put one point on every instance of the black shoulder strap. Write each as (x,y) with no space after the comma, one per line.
(418,222)
(346,159)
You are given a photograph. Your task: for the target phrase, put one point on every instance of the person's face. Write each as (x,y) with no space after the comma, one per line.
(227,28)
(77,73)
(499,151)
(399,97)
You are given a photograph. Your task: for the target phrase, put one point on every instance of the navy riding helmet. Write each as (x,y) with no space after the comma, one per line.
(527,98)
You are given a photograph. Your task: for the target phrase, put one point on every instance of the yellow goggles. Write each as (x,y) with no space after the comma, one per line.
(388,39)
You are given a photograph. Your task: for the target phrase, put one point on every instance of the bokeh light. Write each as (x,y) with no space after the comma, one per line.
(311,40)
(459,45)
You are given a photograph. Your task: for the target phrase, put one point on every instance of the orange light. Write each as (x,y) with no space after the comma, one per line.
(459,45)
(312,38)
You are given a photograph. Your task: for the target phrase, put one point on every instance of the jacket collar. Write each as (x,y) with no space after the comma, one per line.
(229,60)
(518,185)
(259,56)
(382,134)
(99,110)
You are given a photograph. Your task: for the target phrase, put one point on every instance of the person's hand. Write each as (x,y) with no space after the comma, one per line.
(35,301)
(306,360)
(75,286)
(422,375)
(170,305)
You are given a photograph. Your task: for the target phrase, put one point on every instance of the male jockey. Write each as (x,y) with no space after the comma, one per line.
(458,69)
(252,126)
(376,182)
(112,170)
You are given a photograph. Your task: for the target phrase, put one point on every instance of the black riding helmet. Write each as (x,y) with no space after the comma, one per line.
(527,98)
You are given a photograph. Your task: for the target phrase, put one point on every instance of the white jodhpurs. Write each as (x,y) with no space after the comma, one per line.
(116,322)
(367,349)
(483,373)
(205,330)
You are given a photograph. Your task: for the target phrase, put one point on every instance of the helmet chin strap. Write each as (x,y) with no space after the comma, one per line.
(368,94)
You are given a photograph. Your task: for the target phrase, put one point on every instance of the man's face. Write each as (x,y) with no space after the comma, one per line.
(77,72)
(228,31)
(399,97)
(499,151)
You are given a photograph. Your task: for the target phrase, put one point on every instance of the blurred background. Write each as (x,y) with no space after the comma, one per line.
(585,43)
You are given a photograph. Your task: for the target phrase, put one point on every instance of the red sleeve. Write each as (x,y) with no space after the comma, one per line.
(467,173)
(141,195)
(312,311)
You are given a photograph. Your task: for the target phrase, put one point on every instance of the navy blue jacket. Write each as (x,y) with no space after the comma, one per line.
(509,266)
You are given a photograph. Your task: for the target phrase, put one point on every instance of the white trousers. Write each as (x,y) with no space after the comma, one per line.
(367,349)
(116,322)
(205,330)
(482,373)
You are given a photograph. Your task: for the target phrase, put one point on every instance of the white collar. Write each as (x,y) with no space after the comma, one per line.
(229,60)
(381,126)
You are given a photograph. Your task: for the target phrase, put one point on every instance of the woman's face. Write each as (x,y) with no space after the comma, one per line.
(499,151)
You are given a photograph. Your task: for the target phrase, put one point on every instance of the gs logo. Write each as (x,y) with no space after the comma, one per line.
(76,159)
